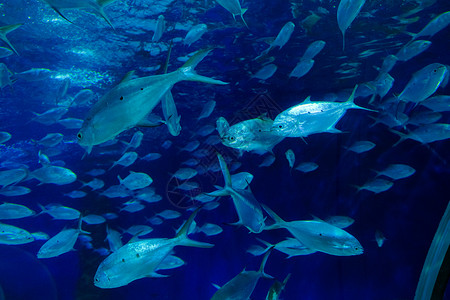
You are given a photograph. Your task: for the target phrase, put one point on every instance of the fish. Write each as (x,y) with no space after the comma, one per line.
(136,260)
(94,5)
(117,191)
(151,156)
(5,52)
(126,160)
(249,135)
(302,68)
(53,174)
(5,76)
(93,219)
(83,97)
(207,109)
(290,156)
(313,49)
(194,34)
(50,116)
(160,28)
(379,238)
(185,173)
(71,123)
(138,230)
(412,49)
(94,184)
(128,103)
(13,176)
(434,26)
(242,285)
(268,161)
(247,207)
(423,83)
(62,91)
(265,72)
(170,114)
(307,167)
(319,235)
(234,7)
(14,190)
(290,246)
(4,30)
(340,221)
(34,74)
(169,214)
(346,13)
(10,211)
(282,38)
(361,146)
(61,243)
(376,185)
(396,171)
(51,139)
(136,180)
(277,288)
(12,235)
(425,134)
(311,117)
(60,212)
(114,239)
(440,103)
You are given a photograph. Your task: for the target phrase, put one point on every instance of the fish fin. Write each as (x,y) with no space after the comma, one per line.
(333,130)
(105,17)
(243,10)
(61,15)
(216,286)
(221,192)
(278,221)
(225,171)
(149,124)
(188,73)
(182,235)
(5,30)
(128,76)
(263,264)
(156,275)
(402,136)
(307,100)
(343,41)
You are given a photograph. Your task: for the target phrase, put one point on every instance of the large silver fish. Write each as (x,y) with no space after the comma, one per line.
(128,103)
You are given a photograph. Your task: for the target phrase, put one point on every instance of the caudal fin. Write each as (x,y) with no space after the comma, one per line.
(102,4)
(263,264)
(5,30)
(225,191)
(351,100)
(242,16)
(188,73)
(182,235)
(279,222)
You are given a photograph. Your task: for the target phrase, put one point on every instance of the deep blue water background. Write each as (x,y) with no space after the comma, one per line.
(408,214)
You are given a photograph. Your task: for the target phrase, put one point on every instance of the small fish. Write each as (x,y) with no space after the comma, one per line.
(346,13)
(169,214)
(439,103)
(379,238)
(194,34)
(191,146)
(12,235)
(50,116)
(53,174)
(319,235)
(14,190)
(388,63)
(290,156)
(135,141)
(126,160)
(151,156)
(282,38)
(96,172)
(413,49)
(277,288)
(376,185)
(425,134)
(268,161)
(396,171)
(242,285)
(340,221)
(34,74)
(139,230)
(141,258)
(361,146)
(208,108)
(209,229)
(76,194)
(423,83)
(93,219)
(5,76)
(61,243)
(265,72)
(133,206)
(136,180)
(95,184)
(114,239)
(117,191)
(307,167)
(313,49)
(51,139)
(71,123)
(83,97)
(9,211)
(434,26)
(185,173)
(170,114)
(59,212)
(160,28)
(302,68)
(9,177)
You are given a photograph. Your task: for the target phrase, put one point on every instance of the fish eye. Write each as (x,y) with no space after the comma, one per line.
(231,138)
(280,126)
(79,136)
(96,279)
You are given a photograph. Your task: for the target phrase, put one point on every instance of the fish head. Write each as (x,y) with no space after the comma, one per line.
(102,280)
(86,136)
(283,125)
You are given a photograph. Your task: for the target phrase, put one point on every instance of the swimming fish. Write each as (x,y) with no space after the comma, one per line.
(313,49)
(61,243)
(12,235)
(160,28)
(425,134)
(318,235)
(310,117)
(249,135)
(302,68)
(412,49)
(397,171)
(95,5)
(265,72)
(277,288)
(376,185)
(234,7)
(434,26)
(9,211)
(141,259)
(207,109)
(194,34)
(361,146)
(127,104)
(247,207)
(136,180)
(53,174)
(170,114)
(346,13)
(290,156)
(4,30)
(282,38)
(242,285)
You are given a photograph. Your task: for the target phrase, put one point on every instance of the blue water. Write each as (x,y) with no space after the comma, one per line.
(94,56)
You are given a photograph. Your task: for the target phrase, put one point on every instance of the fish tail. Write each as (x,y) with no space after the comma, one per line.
(351,101)
(242,16)
(343,41)
(225,172)
(402,136)
(182,235)
(188,73)
(105,17)
(263,264)
(278,220)
(5,30)
(80,222)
